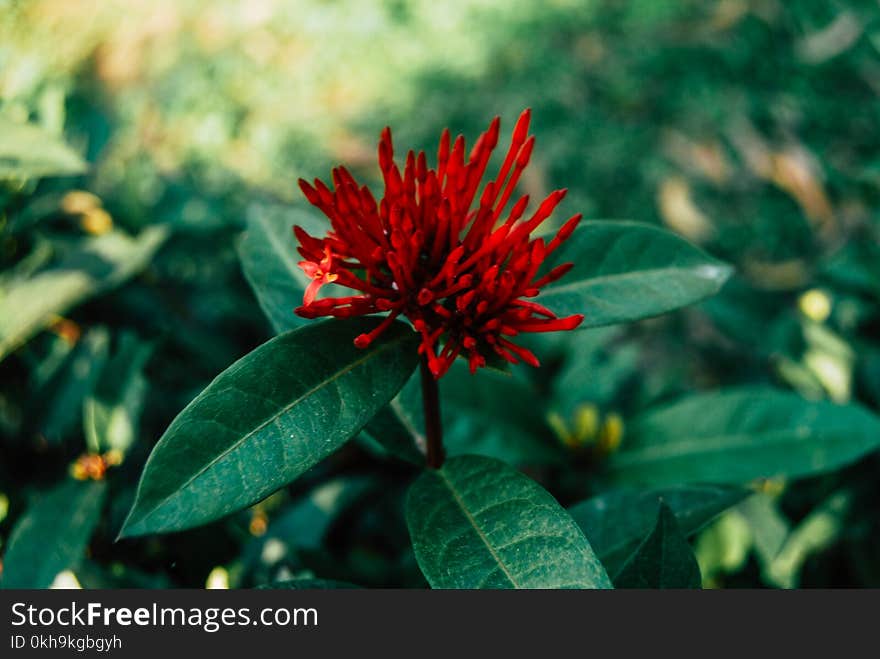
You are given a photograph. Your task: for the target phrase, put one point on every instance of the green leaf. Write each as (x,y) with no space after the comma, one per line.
(304,524)
(393,430)
(624,271)
(740,435)
(28,151)
(28,305)
(768,526)
(268,418)
(495,415)
(58,407)
(616,522)
(111,414)
(53,534)
(663,560)
(308,584)
(269,260)
(299,529)
(593,371)
(723,547)
(477,523)
(816,532)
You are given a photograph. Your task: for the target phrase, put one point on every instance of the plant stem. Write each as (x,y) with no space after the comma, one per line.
(433,424)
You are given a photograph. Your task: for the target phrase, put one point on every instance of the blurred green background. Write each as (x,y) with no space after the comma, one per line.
(751,127)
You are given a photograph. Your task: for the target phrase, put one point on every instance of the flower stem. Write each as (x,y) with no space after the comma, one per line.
(433,425)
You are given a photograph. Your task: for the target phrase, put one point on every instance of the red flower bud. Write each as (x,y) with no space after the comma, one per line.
(427,252)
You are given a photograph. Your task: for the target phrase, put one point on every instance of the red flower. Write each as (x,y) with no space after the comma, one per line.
(458,273)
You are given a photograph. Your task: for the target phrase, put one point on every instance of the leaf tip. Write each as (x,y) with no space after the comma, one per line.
(718,273)
(132,527)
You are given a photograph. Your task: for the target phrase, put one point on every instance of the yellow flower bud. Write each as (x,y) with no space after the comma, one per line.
(611,434)
(771,486)
(259,523)
(96,221)
(560,427)
(89,466)
(66,329)
(76,202)
(586,423)
(815,304)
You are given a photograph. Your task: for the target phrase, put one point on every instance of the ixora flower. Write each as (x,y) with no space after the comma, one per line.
(460,271)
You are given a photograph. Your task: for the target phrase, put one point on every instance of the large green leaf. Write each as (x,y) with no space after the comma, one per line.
(740,435)
(268,418)
(53,534)
(625,271)
(28,305)
(477,523)
(663,560)
(269,260)
(28,151)
(616,522)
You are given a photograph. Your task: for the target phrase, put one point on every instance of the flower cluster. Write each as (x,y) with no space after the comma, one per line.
(458,270)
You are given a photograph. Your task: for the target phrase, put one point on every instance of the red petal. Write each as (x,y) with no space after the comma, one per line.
(312,291)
